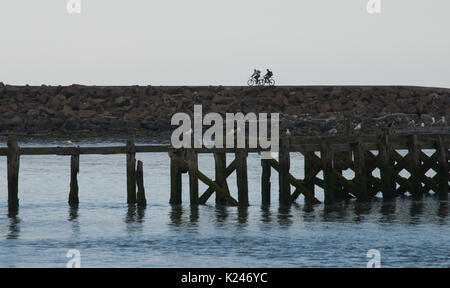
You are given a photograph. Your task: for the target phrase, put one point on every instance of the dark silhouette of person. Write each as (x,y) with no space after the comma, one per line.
(268,75)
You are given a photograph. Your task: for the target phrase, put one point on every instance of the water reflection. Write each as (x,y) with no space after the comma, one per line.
(73,213)
(221,213)
(176,213)
(73,218)
(387,211)
(443,209)
(135,214)
(140,214)
(416,212)
(242,215)
(388,208)
(335,212)
(361,209)
(14,224)
(266,214)
(134,218)
(194,216)
(284,216)
(180,217)
(308,208)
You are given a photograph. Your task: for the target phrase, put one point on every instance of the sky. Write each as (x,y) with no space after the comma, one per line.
(211,42)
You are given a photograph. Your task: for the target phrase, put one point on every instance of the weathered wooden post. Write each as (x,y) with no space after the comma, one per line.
(443,171)
(175,178)
(221,178)
(309,165)
(386,167)
(131,172)
(192,163)
(13,161)
(415,168)
(341,157)
(241,176)
(283,173)
(74,170)
(141,200)
(329,182)
(360,170)
(265,182)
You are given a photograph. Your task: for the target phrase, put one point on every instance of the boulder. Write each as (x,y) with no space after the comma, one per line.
(87,113)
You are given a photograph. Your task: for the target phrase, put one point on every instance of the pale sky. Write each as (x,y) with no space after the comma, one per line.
(211,42)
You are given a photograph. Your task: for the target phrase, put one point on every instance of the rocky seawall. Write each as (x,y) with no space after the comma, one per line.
(147,110)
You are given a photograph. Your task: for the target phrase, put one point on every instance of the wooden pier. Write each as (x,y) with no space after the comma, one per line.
(362,154)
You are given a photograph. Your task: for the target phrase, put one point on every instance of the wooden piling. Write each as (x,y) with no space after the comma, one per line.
(265,182)
(13,163)
(309,166)
(74,170)
(340,163)
(175,178)
(443,170)
(192,163)
(386,167)
(360,170)
(221,177)
(241,177)
(329,182)
(131,172)
(415,168)
(141,200)
(283,173)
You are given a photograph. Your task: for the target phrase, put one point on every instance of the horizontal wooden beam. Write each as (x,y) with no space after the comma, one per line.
(297,144)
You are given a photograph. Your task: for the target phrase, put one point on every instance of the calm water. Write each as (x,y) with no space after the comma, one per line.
(109,233)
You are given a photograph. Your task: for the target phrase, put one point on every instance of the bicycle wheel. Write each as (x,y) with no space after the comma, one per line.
(251,82)
(261,82)
(271,82)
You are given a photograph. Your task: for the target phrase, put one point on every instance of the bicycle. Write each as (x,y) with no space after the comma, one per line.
(261,82)
(252,81)
(265,81)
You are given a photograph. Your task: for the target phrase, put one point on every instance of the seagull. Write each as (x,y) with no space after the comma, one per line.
(433,120)
(358,127)
(442,121)
(288,132)
(67,143)
(332,131)
(412,123)
(422,124)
